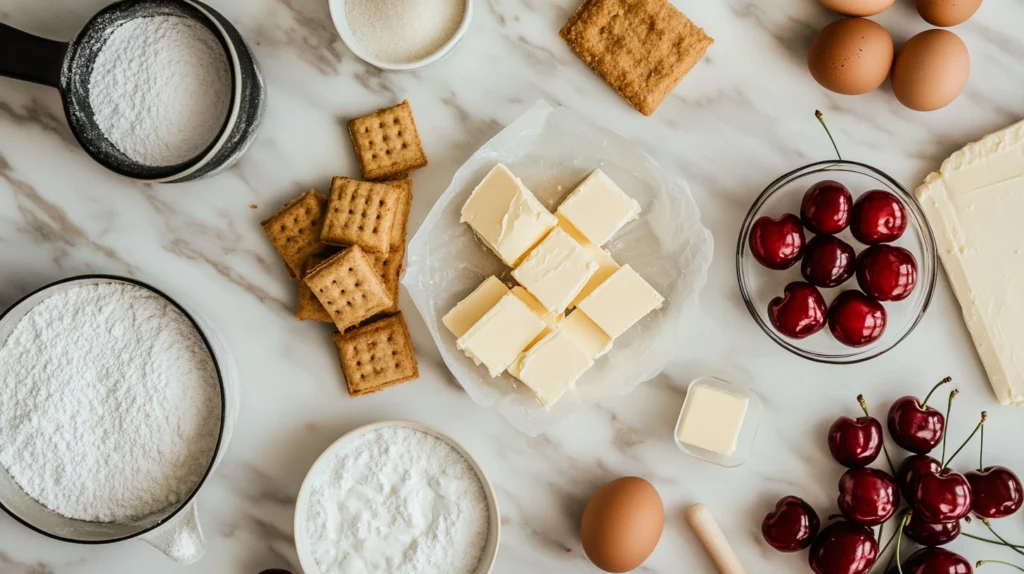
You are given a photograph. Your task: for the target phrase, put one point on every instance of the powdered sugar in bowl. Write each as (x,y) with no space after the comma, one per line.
(398,497)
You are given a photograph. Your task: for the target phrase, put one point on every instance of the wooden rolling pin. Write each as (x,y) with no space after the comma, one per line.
(713,540)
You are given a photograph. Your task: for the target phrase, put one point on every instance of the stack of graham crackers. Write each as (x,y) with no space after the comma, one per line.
(347,251)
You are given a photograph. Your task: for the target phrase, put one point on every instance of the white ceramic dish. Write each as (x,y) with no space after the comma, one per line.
(337,8)
(302,547)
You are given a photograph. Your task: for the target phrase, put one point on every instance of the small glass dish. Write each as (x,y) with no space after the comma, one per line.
(759,285)
(748,430)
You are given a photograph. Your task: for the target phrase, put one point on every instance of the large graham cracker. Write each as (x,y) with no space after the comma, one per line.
(642,48)
(349,288)
(377,355)
(389,267)
(361,213)
(295,230)
(307,306)
(386,143)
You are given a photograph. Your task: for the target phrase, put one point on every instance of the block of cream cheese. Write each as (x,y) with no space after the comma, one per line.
(506,215)
(497,339)
(713,419)
(605,264)
(556,270)
(586,334)
(551,366)
(468,311)
(974,203)
(598,208)
(621,301)
(549,317)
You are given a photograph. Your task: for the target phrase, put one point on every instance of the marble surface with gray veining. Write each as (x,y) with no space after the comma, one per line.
(741,118)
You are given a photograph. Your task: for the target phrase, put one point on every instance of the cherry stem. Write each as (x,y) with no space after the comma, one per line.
(945,435)
(935,388)
(821,119)
(888,543)
(899,541)
(990,541)
(1001,539)
(981,452)
(864,407)
(984,562)
(984,417)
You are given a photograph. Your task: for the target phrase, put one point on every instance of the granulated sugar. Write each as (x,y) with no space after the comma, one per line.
(403,30)
(401,501)
(109,403)
(160,89)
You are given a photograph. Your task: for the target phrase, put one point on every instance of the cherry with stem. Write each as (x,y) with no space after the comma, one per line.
(864,407)
(984,562)
(821,119)
(945,435)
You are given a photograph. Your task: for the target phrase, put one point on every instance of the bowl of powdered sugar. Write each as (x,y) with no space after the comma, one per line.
(401,34)
(114,410)
(398,497)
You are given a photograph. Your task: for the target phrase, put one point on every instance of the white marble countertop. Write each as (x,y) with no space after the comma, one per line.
(744,116)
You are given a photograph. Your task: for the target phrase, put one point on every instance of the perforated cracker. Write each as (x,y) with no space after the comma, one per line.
(389,267)
(349,288)
(642,48)
(307,306)
(387,144)
(295,230)
(377,356)
(361,213)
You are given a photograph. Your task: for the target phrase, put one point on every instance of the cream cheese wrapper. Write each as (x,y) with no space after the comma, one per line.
(552,150)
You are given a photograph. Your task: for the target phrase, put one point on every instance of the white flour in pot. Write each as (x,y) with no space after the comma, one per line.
(400,501)
(160,89)
(109,403)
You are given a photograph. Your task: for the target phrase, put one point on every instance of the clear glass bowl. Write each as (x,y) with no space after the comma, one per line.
(759,285)
(748,430)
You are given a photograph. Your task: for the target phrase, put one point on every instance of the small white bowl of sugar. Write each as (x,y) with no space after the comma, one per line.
(401,35)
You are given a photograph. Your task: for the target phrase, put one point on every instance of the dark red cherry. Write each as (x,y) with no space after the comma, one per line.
(828,261)
(826,207)
(800,312)
(792,526)
(868,496)
(843,548)
(943,497)
(878,217)
(777,243)
(911,471)
(931,534)
(996,490)
(855,443)
(855,319)
(886,272)
(913,427)
(936,561)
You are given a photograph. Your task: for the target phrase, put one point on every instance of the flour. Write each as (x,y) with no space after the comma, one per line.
(401,501)
(160,89)
(404,30)
(109,404)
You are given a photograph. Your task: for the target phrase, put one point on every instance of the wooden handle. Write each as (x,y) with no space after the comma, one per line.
(713,540)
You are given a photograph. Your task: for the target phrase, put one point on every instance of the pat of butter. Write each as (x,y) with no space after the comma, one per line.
(606,266)
(621,301)
(501,334)
(598,208)
(506,215)
(556,270)
(551,367)
(713,419)
(549,317)
(586,334)
(468,311)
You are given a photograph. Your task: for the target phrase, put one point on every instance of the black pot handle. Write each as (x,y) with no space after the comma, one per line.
(30,58)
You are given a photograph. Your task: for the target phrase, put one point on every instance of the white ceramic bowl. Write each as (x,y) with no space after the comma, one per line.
(302,546)
(337,8)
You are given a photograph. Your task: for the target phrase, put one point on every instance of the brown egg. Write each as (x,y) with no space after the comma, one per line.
(947,12)
(851,56)
(931,70)
(622,524)
(857,7)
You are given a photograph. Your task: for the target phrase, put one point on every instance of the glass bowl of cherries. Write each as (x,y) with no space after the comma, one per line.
(836,262)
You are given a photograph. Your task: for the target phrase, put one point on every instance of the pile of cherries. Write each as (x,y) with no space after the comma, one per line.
(938,498)
(884,272)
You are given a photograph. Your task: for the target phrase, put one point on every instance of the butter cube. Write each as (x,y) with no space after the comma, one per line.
(497,339)
(713,419)
(605,264)
(585,333)
(556,270)
(549,317)
(506,215)
(598,208)
(621,301)
(468,311)
(551,366)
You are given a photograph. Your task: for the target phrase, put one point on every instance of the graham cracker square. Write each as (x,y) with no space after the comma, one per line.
(377,355)
(349,288)
(389,267)
(295,230)
(642,48)
(399,229)
(387,144)
(361,213)
(307,306)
